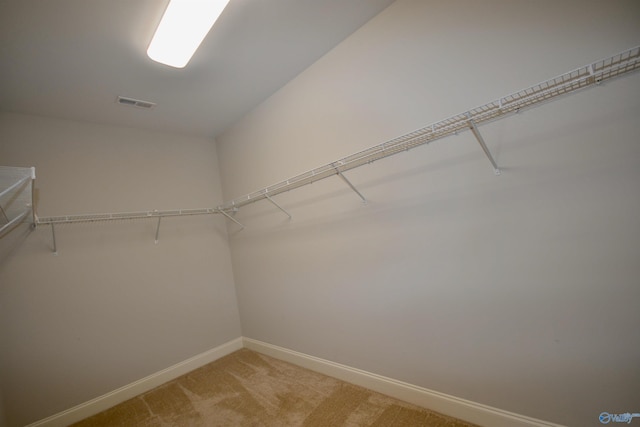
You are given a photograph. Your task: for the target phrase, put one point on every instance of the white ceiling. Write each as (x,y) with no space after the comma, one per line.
(72,58)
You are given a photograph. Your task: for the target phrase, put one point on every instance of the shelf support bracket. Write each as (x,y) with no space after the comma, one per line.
(4,215)
(478,136)
(344,178)
(230,217)
(10,224)
(277,205)
(53,234)
(158,229)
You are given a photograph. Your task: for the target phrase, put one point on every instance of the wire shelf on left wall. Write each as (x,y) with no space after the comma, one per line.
(16,197)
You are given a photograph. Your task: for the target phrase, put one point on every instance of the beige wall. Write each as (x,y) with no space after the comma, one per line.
(112,307)
(519,291)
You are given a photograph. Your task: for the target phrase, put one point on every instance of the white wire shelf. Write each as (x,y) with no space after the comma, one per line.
(580,78)
(66,219)
(16,197)
(123,216)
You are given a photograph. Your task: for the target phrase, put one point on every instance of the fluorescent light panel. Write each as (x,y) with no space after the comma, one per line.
(184,25)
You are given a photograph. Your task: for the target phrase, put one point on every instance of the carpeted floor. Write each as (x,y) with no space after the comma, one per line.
(247,388)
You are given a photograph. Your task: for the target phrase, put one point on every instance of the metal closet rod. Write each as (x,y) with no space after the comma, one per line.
(588,75)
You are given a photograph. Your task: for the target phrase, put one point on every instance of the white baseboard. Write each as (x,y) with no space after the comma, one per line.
(143,385)
(472,412)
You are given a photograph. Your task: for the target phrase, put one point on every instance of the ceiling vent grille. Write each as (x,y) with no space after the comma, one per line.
(136,103)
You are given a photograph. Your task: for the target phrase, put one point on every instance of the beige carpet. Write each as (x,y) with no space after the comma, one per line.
(250,389)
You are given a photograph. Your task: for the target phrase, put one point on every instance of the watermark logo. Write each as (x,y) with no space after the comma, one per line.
(606,418)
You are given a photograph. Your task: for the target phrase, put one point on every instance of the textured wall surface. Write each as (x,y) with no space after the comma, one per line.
(111,307)
(518,291)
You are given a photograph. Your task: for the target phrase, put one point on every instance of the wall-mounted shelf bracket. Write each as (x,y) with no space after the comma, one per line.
(344,178)
(277,205)
(53,235)
(158,230)
(478,136)
(14,222)
(230,217)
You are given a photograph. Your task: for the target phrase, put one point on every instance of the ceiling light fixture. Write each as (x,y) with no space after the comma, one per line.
(184,25)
